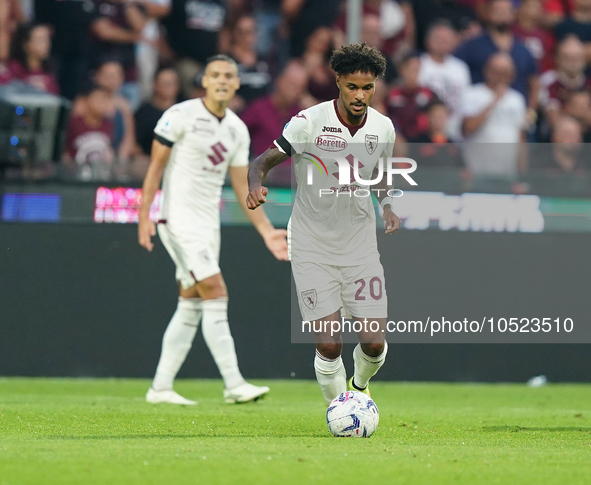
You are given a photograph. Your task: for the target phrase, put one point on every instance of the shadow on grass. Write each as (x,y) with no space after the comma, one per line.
(182,436)
(516,429)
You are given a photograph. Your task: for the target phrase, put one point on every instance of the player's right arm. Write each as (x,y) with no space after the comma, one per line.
(292,140)
(158,160)
(169,129)
(257,171)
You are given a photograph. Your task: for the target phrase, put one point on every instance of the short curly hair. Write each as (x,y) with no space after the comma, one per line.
(358,58)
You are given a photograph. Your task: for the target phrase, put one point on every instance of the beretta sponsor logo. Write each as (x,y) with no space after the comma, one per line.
(331,143)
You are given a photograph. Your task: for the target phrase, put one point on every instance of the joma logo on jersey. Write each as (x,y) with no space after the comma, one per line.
(331,129)
(330,143)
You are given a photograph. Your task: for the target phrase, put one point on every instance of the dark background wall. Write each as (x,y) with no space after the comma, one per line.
(85,300)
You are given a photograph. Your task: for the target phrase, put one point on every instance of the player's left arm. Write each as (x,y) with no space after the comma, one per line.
(391,220)
(275,239)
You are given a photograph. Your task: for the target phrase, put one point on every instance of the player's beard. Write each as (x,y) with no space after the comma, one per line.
(356,116)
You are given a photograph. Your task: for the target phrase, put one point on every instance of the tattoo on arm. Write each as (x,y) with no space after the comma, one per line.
(259,168)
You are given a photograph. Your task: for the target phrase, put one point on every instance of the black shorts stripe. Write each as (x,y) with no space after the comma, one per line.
(164,141)
(285,146)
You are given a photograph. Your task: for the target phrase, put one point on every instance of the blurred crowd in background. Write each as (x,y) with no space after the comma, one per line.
(466,80)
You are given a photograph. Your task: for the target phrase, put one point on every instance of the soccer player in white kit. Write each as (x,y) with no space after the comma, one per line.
(195,144)
(332,236)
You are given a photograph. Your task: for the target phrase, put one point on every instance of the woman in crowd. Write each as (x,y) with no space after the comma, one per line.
(29,57)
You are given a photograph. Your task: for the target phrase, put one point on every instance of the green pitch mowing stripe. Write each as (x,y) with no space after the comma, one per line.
(66,431)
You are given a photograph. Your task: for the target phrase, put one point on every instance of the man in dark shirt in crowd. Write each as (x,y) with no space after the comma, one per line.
(499,38)
(426,12)
(166,91)
(579,24)
(71,45)
(116,31)
(192,30)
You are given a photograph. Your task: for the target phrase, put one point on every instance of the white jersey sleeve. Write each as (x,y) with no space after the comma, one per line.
(389,146)
(242,156)
(171,126)
(296,134)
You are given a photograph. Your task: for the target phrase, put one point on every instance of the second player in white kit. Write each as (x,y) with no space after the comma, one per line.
(196,143)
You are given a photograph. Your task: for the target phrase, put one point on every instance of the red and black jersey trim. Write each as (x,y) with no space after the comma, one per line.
(285,145)
(164,141)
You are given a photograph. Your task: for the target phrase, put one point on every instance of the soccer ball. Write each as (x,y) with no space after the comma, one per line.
(352,413)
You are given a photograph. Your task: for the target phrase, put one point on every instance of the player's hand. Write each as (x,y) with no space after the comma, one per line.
(256,197)
(276,241)
(145,230)
(391,221)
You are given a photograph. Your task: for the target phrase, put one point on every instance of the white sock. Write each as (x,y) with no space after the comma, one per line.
(366,366)
(177,342)
(331,376)
(218,338)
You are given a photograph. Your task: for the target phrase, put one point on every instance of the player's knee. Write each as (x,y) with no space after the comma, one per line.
(373,349)
(330,350)
(213,287)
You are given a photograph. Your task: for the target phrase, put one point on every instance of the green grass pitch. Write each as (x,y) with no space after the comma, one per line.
(66,431)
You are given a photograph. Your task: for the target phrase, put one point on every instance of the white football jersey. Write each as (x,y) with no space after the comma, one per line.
(203,147)
(329,224)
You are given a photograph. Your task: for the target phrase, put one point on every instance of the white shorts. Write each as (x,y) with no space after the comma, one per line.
(323,289)
(196,256)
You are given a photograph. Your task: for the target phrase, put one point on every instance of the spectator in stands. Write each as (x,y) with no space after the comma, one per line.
(255,79)
(321,78)
(268,15)
(89,144)
(266,117)
(494,120)
(166,91)
(530,30)
(579,24)
(407,100)
(10,16)
(578,106)
(71,44)
(426,12)
(29,57)
(445,75)
(193,29)
(110,75)
(393,33)
(379,102)
(370,34)
(434,148)
(147,51)
(568,77)
(302,17)
(499,38)
(556,10)
(116,31)
(565,154)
